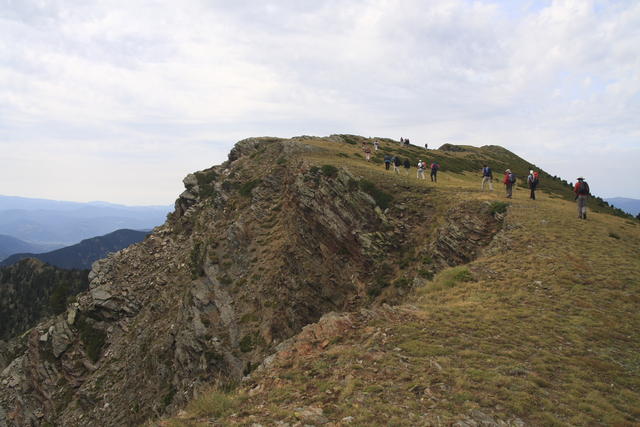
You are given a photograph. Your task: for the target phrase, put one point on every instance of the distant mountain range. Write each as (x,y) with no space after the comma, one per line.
(49,222)
(83,254)
(10,245)
(631,206)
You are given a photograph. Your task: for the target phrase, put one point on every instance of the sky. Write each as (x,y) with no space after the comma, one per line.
(119,100)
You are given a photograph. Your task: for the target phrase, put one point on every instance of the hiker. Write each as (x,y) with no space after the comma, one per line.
(407,166)
(376,145)
(396,165)
(426,146)
(487,176)
(435,166)
(509,181)
(367,151)
(401,141)
(387,161)
(406,141)
(532,180)
(582,192)
(421,167)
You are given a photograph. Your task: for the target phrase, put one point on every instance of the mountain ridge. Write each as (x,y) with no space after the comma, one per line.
(252,257)
(10,245)
(84,254)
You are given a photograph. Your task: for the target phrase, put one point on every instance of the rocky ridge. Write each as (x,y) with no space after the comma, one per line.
(251,254)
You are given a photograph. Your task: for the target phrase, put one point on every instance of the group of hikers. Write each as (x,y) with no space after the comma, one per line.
(581,189)
(509,180)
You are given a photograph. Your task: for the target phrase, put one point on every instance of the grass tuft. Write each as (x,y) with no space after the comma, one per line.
(381,198)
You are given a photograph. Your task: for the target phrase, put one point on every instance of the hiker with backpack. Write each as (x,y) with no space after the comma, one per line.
(367,151)
(421,167)
(376,145)
(509,181)
(435,166)
(407,166)
(487,176)
(582,193)
(532,180)
(396,165)
(387,161)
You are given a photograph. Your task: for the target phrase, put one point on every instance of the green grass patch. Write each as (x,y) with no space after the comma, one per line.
(92,338)
(381,198)
(214,403)
(246,188)
(329,171)
(498,207)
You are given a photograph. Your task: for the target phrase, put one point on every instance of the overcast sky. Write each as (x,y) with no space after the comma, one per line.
(119,100)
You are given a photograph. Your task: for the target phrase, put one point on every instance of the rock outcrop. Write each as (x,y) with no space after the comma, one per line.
(256,249)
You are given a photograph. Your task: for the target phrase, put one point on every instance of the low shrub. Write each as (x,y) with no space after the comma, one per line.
(381,198)
(498,207)
(92,338)
(329,171)
(246,188)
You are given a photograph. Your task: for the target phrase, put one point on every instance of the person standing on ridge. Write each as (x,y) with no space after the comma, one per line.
(421,167)
(387,161)
(396,165)
(509,180)
(487,176)
(582,193)
(376,145)
(407,166)
(532,180)
(426,146)
(367,151)
(435,166)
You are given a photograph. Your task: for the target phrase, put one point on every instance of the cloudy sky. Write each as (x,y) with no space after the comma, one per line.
(118,100)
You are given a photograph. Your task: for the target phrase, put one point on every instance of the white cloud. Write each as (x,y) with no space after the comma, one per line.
(168,86)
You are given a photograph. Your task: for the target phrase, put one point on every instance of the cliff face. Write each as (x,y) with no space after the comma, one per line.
(256,249)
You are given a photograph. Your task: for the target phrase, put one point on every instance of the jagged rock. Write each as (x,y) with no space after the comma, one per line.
(61,337)
(190,181)
(187,195)
(72,313)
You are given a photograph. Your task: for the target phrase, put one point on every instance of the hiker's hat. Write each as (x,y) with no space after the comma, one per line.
(531,171)
(580,179)
(508,170)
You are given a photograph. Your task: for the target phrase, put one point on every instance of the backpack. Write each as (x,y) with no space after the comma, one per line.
(435,166)
(512,178)
(486,171)
(583,190)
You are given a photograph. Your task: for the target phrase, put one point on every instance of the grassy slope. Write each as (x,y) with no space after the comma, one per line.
(543,327)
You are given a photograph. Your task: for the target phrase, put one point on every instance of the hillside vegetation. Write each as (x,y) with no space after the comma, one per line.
(540,329)
(31,290)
